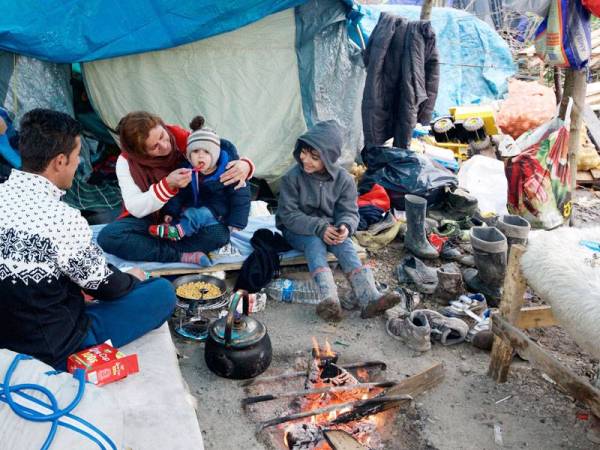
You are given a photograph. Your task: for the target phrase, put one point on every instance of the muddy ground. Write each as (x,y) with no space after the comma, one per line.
(461,413)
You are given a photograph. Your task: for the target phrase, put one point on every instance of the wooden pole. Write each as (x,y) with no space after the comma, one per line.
(574,87)
(510,308)
(426,9)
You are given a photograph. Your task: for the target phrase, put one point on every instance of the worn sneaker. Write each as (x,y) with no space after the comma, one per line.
(414,331)
(447,330)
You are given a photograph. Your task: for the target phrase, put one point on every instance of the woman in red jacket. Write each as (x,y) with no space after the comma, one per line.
(149,174)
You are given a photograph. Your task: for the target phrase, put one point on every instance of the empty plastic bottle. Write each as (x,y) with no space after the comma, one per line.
(293,291)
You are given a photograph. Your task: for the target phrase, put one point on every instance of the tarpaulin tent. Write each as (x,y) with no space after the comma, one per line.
(261,72)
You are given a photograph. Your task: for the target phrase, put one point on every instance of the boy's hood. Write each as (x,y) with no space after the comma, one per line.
(325,137)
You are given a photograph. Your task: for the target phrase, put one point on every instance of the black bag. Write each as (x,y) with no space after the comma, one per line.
(402,172)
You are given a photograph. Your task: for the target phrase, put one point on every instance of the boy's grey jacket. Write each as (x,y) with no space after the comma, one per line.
(310,202)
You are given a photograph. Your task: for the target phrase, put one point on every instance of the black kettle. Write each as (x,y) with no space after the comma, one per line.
(238,346)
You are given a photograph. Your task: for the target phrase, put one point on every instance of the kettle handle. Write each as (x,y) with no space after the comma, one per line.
(231,313)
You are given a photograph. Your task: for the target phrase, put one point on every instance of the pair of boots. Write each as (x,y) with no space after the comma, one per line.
(491,246)
(370,300)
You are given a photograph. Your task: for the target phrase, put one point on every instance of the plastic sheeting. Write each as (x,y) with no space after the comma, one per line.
(27,83)
(402,172)
(87,30)
(475,62)
(254,85)
(245,83)
(332,73)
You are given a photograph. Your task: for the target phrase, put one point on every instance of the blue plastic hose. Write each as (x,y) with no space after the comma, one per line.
(7,391)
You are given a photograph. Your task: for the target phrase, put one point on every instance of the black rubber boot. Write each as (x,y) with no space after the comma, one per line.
(489,251)
(415,239)
(515,228)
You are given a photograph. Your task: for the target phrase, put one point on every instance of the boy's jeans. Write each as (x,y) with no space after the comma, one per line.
(194,219)
(315,251)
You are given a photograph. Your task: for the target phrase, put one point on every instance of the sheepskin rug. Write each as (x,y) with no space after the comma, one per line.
(567,276)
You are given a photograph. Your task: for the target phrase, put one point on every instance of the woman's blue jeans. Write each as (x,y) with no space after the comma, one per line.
(315,251)
(128,238)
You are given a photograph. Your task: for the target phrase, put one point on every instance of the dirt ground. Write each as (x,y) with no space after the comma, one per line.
(461,413)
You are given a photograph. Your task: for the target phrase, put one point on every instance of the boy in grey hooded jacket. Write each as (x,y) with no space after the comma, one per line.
(317,213)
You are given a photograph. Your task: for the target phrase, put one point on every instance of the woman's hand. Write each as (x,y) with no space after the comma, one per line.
(237,172)
(179,178)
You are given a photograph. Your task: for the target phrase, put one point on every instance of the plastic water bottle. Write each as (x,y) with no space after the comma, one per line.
(293,291)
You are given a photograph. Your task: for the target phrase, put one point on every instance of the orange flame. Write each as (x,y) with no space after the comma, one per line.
(316,347)
(328,351)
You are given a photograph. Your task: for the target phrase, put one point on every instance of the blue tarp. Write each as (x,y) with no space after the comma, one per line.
(475,62)
(88,30)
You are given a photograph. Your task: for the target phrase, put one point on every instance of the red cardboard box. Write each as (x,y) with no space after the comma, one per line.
(103,364)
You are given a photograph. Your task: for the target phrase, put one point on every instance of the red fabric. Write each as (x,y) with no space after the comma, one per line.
(146,171)
(437,241)
(377,196)
(592,6)
(180,135)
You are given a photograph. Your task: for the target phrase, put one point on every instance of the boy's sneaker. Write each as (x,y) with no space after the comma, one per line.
(170,232)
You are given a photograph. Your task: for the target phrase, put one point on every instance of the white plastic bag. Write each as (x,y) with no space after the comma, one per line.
(484,178)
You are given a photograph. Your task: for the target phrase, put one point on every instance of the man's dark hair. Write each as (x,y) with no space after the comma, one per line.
(45,134)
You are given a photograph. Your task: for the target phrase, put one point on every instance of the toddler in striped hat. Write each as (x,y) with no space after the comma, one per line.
(203,150)
(206,200)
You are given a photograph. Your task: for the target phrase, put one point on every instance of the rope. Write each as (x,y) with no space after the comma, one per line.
(6,395)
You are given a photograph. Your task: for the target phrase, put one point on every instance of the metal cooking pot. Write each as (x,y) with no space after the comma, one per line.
(238,346)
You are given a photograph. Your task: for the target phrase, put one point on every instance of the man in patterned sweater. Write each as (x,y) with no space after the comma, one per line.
(48,259)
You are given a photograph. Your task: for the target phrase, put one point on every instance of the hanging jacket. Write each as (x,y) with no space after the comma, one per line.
(402,80)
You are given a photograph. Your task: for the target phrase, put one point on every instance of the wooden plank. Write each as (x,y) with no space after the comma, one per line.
(510,308)
(340,440)
(536,317)
(576,386)
(585,178)
(296,261)
(593,125)
(595,174)
(420,382)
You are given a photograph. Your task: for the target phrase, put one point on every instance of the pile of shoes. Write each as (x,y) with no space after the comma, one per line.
(490,246)
(490,239)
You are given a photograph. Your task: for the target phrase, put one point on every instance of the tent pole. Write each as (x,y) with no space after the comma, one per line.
(426,9)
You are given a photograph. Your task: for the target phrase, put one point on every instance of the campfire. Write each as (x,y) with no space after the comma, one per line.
(325,375)
(341,401)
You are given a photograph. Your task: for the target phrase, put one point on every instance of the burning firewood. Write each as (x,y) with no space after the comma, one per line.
(324,390)
(360,405)
(286,376)
(340,440)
